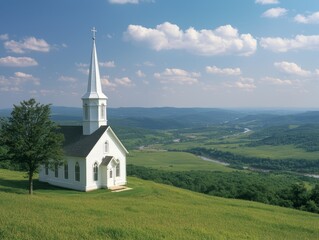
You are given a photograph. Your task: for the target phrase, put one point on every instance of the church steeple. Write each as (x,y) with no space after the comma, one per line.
(94,100)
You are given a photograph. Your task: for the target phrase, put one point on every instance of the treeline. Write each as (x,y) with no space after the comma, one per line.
(275,189)
(304,136)
(238,161)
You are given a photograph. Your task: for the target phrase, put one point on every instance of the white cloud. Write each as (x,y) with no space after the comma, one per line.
(275,12)
(67,79)
(179,76)
(291,68)
(246,84)
(123,1)
(277,81)
(17,62)
(139,73)
(125,81)
(264,2)
(223,40)
(107,83)
(223,71)
(83,68)
(4,36)
(15,82)
(285,44)
(28,44)
(312,18)
(20,77)
(109,64)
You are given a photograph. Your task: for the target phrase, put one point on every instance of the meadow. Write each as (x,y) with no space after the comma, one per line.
(148,211)
(173,161)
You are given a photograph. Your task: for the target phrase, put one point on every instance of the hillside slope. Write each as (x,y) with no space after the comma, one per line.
(148,211)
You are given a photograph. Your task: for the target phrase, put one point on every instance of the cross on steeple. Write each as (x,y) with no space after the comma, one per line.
(93,30)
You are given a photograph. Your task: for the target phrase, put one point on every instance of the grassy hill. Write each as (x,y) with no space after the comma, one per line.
(148,211)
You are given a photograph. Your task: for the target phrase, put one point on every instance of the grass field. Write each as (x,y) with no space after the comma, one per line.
(173,161)
(236,145)
(148,211)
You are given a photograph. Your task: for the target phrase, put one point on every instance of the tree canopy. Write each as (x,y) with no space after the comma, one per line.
(30,138)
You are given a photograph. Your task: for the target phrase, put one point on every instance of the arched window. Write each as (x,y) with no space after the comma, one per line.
(46,166)
(56,170)
(118,170)
(86,112)
(66,171)
(95,172)
(106,146)
(77,171)
(102,111)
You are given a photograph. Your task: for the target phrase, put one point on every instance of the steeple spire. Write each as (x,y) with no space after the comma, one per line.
(94,89)
(94,100)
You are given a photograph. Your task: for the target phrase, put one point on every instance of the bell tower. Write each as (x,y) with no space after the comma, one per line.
(94,101)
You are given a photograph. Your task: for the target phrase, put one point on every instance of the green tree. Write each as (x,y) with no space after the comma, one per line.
(31,138)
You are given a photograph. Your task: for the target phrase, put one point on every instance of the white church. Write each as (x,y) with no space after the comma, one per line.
(94,156)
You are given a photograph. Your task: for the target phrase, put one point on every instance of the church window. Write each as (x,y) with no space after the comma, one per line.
(46,166)
(102,111)
(111,173)
(106,146)
(66,171)
(56,170)
(95,172)
(118,170)
(77,172)
(86,112)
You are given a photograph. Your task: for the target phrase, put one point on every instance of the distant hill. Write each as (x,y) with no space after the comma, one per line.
(174,118)
(149,211)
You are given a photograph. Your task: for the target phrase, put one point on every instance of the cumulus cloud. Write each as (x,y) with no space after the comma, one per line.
(83,68)
(223,71)
(264,2)
(246,84)
(109,64)
(17,62)
(4,36)
(223,40)
(15,83)
(67,79)
(20,77)
(275,12)
(125,81)
(277,81)
(286,44)
(311,18)
(179,76)
(139,73)
(291,68)
(107,83)
(28,44)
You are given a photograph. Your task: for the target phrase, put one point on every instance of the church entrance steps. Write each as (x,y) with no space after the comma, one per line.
(119,188)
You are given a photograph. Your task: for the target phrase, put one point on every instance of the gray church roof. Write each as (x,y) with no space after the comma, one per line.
(78,145)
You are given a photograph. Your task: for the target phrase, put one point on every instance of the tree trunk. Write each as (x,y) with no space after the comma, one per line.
(30,183)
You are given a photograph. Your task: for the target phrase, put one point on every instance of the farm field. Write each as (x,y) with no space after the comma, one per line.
(148,211)
(173,161)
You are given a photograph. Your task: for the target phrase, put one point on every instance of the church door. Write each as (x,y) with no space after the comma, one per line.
(111,178)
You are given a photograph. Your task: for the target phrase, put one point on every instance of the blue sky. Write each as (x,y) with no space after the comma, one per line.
(152,53)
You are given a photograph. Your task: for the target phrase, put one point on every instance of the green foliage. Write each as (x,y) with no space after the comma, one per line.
(276,189)
(149,211)
(31,138)
(304,136)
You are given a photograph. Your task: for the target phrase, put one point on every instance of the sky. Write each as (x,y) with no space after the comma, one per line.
(156,53)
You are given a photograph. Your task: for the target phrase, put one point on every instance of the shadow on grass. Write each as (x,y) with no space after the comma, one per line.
(22,186)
